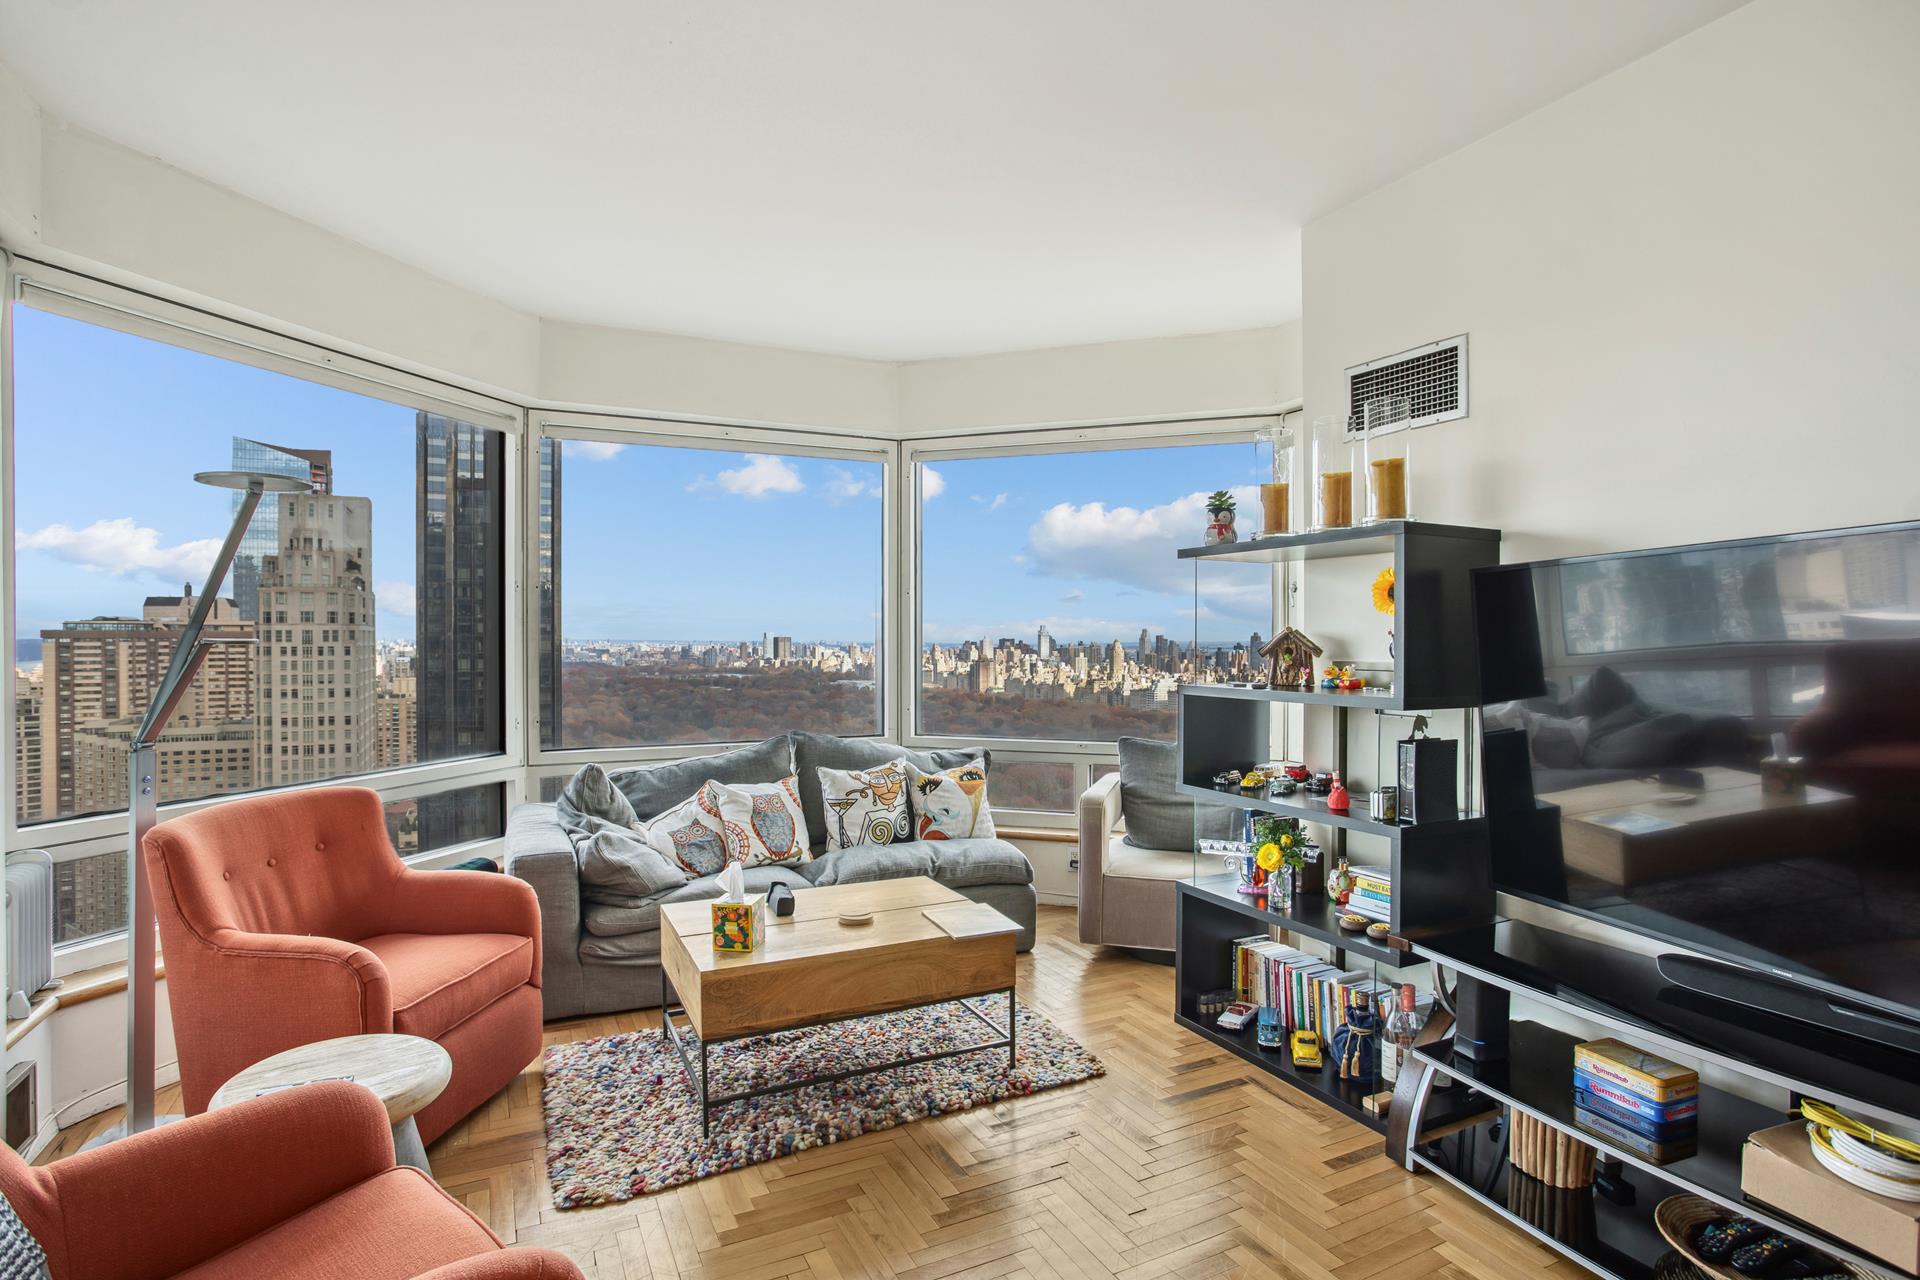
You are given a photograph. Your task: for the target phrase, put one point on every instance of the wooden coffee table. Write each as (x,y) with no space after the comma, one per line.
(812,970)
(404,1072)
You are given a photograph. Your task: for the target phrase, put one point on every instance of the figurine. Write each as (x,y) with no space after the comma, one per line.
(1342,679)
(1220,519)
(1290,656)
(1338,801)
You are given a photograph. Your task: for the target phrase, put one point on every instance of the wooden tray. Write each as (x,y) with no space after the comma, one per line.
(1676,1216)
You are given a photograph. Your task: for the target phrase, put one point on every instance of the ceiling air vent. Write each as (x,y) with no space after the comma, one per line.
(1434,377)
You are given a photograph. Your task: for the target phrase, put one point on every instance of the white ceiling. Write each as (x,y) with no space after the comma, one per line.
(895,179)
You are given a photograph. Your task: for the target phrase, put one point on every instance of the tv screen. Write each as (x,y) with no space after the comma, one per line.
(1719,746)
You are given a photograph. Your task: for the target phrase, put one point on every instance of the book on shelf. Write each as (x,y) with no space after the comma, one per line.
(1369,908)
(1655,1112)
(1645,1126)
(1636,1071)
(1624,1138)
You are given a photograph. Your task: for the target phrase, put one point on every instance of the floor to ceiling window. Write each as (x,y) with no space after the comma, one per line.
(369,609)
(1052,604)
(701,595)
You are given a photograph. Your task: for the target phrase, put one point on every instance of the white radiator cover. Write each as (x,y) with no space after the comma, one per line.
(29,928)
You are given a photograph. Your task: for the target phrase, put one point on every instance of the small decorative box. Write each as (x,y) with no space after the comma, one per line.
(740,926)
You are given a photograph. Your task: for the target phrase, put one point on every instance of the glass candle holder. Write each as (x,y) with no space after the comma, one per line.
(1387,445)
(1276,510)
(1333,457)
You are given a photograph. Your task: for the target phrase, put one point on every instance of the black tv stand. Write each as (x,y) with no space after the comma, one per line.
(1687,1012)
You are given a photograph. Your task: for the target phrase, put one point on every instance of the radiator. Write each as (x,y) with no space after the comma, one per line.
(29,928)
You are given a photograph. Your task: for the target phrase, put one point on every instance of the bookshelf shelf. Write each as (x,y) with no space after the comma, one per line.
(1368,699)
(1300,805)
(1329,544)
(1314,917)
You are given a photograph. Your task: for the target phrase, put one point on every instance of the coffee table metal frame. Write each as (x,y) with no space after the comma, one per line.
(697,1079)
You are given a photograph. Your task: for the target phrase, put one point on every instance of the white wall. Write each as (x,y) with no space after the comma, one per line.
(1692,290)
(1214,373)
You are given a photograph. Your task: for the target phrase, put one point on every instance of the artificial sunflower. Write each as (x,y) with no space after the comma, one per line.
(1383,592)
(1267,857)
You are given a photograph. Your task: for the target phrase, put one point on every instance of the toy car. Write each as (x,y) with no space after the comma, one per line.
(1271,1032)
(1306,1050)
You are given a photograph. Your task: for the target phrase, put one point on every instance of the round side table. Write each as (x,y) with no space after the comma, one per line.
(405,1072)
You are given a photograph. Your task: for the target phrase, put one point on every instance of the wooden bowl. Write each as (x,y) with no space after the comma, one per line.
(1351,923)
(1676,1216)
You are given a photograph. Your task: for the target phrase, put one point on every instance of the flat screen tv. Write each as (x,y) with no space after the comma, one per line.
(1718,747)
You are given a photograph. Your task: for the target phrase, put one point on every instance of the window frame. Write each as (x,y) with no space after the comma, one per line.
(53,289)
(688,433)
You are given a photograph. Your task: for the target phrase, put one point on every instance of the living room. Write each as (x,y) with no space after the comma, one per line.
(624,574)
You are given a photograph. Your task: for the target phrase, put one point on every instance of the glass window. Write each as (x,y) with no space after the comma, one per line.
(705,595)
(1045,785)
(115,541)
(1053,605)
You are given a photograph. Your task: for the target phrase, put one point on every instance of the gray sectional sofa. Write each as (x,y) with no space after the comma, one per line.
(601,941)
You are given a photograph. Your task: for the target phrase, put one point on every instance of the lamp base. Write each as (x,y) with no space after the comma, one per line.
(119,1131)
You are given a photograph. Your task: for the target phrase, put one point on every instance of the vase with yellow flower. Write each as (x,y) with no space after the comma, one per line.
(1283,842)
(1383,600)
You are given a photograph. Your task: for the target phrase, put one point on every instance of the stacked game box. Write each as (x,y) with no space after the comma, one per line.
(1643,1104)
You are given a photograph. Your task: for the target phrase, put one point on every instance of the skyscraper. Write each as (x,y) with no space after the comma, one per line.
(315,709)
(1045,644)
(26,748)
(1146,647)
(459,641)
(99,674)
(546,576)
(315,466)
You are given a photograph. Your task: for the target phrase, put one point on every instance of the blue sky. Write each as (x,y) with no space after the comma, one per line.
(111,428)
(657,543)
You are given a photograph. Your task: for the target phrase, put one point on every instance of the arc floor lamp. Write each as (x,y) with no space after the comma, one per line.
(143,790)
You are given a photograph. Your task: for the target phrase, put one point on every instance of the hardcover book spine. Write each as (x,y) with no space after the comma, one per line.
(1659,1112)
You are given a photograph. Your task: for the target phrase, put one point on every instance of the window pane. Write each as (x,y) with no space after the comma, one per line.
(89,897)
(708,596)
(1053,605)
(446,818)
(1031,784)
(369,607)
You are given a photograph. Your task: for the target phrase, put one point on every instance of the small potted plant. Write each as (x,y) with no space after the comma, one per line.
(1283,842)
(1220,519)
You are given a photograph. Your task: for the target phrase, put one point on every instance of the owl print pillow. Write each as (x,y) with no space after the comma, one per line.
(690,833)
(951,805)
(762,822)
(865,806)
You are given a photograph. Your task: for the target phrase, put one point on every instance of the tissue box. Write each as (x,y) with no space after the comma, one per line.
(740,926)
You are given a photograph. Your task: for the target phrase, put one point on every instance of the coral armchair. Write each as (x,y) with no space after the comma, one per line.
(288,919)
(300,1185)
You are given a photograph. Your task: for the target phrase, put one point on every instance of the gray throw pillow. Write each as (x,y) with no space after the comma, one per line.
(623,863)
(21,1257)
(653,789)
(1157,816)
(815,751)
(590,793)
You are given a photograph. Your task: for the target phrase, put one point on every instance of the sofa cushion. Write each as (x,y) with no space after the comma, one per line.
(865,806)
(951,804)
(1157,816)
(590,794)
(395,1224)
(440,980)
(957,864)
(690,833)
(624,864)
(610,920)
(622,948)
(762,823)
(812,751)
(653,789)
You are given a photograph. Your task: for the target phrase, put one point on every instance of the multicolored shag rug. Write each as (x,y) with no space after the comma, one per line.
(622,1121)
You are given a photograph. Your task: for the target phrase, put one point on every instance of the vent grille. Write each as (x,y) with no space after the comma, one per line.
(1434,377)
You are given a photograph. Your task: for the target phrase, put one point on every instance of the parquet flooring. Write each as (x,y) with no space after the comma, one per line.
(1181,1161)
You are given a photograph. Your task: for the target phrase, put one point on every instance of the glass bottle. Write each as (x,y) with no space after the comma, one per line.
(1276,512)
(1386,444)
(1332,473)
(1397,1037)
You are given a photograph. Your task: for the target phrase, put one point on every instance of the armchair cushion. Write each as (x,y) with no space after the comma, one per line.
(1157,816)
(390,1227)
(1131,862)
(440,980)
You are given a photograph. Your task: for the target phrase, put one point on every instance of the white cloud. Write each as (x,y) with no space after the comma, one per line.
(994,503)
(395,597)
(1073,597)
(1131,546)
(843,486)
(123,547)
(932,483)
(592,450)
(763,475)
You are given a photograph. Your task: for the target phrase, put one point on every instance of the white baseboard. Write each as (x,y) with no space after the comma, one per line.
(109,1096)
(1057,899)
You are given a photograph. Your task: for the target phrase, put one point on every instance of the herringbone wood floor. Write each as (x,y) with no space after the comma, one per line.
(1181,1161)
